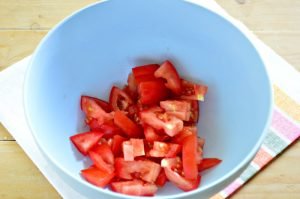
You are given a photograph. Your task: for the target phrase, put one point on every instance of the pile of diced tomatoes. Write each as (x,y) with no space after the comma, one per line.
(146,134)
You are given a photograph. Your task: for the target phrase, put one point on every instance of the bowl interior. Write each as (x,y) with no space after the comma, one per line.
(96,48)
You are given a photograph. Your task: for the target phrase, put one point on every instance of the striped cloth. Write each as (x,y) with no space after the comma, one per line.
(283,131)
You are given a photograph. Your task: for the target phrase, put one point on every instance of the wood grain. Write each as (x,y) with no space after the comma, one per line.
(23,23)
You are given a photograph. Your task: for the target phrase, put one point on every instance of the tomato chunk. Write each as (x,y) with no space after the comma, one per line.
(162,149)
(117,145)
(143,169)
(103,104)
(151,92)
(192,91)
(85,141)
(186,131)
(161,179)
(145,72)
(208,163)
(119,100)
(102,157)
(135,188)
(128,151)
(169,73)
(189,154)
(97,177)
(180,109)
(127,125)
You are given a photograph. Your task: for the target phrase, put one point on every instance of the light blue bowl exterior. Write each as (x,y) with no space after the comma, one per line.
(95,48)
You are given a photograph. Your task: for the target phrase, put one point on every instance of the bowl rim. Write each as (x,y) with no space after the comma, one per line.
(200,189)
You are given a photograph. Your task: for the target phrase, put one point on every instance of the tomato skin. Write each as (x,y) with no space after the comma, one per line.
(189,154)
(102,157)
(144,73)
(144,169)
(208,163)
(181,182)
(127,125)
(161,179)
(132,86)
(117,145)
(134,187)
(97,177)
(170,74)
(85,141)
(192,91)
(119,100)
(151,92)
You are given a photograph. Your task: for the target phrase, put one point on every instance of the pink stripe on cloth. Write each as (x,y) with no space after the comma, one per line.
(284,126)
(232,187)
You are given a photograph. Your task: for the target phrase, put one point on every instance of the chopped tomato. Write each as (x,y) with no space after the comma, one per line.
(97,177)
(128,151)
(103,104)
(134,187)
(186,131)
(133,113)
(85,141)
(151,135)
(152,92)
(119,100)
(138,147)
(192,91)
(161,179)
(208,163)
(127,125)
(117,145)
(194,116)
(132,86)
(162,149)
(172,163)
(180,109)
(102,157)
(200,144)
(169,73)
(145,170)
(93,110)
(145,72)
(161,121)
(189,154)
(181,182)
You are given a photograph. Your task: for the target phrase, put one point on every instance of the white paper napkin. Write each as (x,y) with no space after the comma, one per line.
(12,110)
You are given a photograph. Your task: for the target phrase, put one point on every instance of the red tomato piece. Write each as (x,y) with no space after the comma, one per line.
(169,73)
(127,125)
(172,163)
(132,86)
(151,92)
(119,100)
(143,169)
(128,151)
(200,144)
(186,131)
(102,157)
(117,145)
(151,135)
(181,182)
(134,187)
(93,110)
(208,163)
(162,149)
(180,109)
(192,91)
(194,116)
(85,141)
(161,121)
(189,154)
(97,177)
(161,179)
(103,104)
(145,72)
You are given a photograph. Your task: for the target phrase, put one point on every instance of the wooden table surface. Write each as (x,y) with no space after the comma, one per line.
(24,23)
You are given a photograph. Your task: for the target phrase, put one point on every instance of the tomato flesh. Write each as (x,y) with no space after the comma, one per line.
(127,125)
(97,177)
(117,145)
(119,100)
(135,188)
(162,149)
(102,157)
(180,109)
(189,154)
(85,141)
(192,91)
(161,179)
(152,92)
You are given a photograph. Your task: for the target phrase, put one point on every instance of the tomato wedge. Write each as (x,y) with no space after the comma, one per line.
(93,110)
(97,177)
(85,141)
(189,157)
(169,73)
(102,157)
(152,92)
(192,91)
(119,100)
(117,145)
(161,121)
(180,109)
(208,163)
(162,149)
(143,169)
(135,188)
(103,104)
(145,72)
(127,125)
